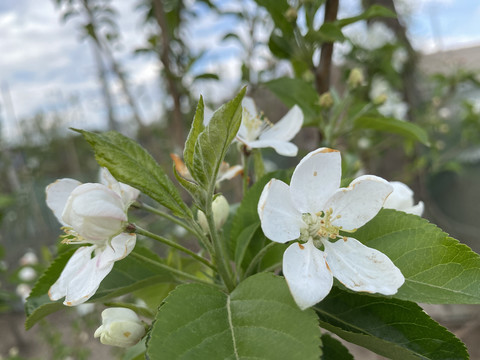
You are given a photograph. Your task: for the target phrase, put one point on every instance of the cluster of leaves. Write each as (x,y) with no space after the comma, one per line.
(254,315)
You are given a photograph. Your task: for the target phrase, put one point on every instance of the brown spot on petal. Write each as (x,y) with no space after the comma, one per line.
(315,173)
(327,150)
(328,267)
(127,334)
(301,246)
(68,303)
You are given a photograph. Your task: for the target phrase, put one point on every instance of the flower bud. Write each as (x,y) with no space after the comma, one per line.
(380,99)
(355,78)
(95,212)
(291,14)
(220,210)
(326,100)
(120,327)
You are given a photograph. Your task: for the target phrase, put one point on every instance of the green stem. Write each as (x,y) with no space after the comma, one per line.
(166,216)
(221,255)
(245,164)
(202,237)
(172,270)
(165,241)
(258,258)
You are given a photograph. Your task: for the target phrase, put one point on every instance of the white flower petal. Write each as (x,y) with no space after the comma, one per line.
(249,105)
(280,220)
(129,194)
(307,274)
(284,148)
(402,199)
(359,203)
(75,264)
(57,194)
(120,246)
(315,179)
(416,209)
(95,211)
(228,172)
(286,128)
(361,268)
(86,282)
(249,110)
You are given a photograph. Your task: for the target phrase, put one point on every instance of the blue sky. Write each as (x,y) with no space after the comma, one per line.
(45,66)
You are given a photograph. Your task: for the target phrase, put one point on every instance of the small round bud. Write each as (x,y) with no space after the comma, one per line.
(120,327)
(220,210)
(291,14)
(355,79)
(380,99)
(326,100)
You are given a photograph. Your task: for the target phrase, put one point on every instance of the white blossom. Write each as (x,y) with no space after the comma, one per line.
(27,274)
(257,132)
(402,199)
(29,258)
(93,214)
(120,327)
(391,104)
(374,37)
(317,213)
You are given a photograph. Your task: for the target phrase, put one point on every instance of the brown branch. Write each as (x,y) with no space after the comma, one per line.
(323,70)
(177,124)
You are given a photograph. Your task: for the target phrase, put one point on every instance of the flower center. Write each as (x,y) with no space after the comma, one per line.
(72,237)
(255,125)
(319,226)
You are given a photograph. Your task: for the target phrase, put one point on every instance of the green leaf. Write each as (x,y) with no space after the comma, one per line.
(437,268)
(128,275)
(212,143)
(136,352)
(333,349)
(297,92)
(133,165)
(390,327)
(195,130)
(208,76)
(371,12)
(243,241)
(392,125)
(258,320)
(277,10)
(330,32)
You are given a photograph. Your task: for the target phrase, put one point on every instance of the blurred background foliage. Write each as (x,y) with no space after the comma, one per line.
(395,116)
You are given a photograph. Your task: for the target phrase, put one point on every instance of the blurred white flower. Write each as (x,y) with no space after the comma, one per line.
(94,214)
(23,290)
(257,132)
(314,209)
(29,258)
(374,37)
(120,327)
(402,199)
(399,58)
(392,104)
(85,309)
(27,274)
